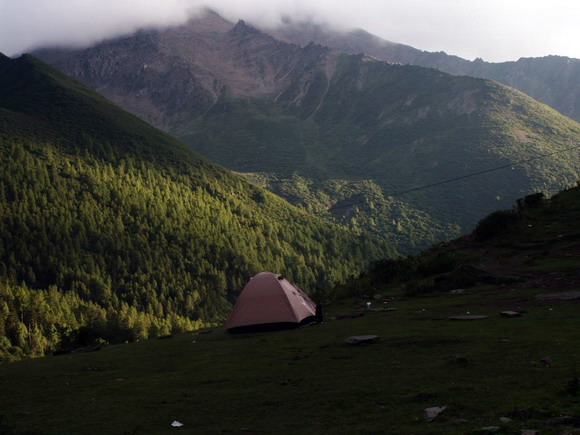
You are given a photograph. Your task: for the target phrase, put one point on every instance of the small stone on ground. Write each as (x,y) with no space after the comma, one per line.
(349,316)
(511,314)
(565,296)
(432,413)
(362,339)
(467,317)
(460,421)
(460,360)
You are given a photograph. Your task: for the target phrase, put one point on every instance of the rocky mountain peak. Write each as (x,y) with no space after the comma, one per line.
(3,59)
(242,28)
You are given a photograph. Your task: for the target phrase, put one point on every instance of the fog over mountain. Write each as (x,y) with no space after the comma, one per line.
(494,30)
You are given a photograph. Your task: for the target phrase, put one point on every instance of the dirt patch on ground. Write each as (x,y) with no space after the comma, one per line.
(521,135)
(465,103)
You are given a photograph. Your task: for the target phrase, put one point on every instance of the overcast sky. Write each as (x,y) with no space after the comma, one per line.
(495,30)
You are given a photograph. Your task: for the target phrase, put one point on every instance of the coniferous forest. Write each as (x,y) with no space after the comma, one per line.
(111,230)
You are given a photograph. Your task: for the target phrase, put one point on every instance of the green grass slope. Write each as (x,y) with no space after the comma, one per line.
(309,381)
(112,230)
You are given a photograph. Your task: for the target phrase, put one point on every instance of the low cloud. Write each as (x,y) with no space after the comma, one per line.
(495,30)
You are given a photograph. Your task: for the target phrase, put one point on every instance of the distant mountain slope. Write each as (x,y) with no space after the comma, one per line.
(553,80)
(327,130)
(111,228)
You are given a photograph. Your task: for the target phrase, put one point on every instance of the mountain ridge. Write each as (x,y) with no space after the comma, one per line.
(551,79)
(335,118)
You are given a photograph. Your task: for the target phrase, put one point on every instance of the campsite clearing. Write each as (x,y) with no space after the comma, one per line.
(307,380)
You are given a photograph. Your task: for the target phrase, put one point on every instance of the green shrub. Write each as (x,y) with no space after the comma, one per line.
(443,262)
(495,224)
(534,200)
(421,287)
(393,269)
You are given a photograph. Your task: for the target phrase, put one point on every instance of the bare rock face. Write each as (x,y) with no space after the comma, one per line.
(552,80)
(169,76)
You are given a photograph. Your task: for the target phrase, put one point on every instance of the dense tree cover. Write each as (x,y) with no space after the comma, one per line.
(361,205)
(34,321)
(111,230)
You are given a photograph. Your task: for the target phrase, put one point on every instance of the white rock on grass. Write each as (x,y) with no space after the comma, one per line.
(362,339)
(510,314)
(432,413)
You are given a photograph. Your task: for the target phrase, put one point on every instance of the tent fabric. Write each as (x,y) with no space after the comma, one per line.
(269,299)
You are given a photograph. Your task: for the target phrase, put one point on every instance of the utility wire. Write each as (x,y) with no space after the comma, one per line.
(462,177)
(414,189)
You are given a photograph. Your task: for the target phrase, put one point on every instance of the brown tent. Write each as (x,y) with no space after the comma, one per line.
(270,302)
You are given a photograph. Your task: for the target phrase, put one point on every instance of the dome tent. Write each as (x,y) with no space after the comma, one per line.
(270,302)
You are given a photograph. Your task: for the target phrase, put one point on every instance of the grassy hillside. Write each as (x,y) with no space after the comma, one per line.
(537,246)
(308,380)
(111,230)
